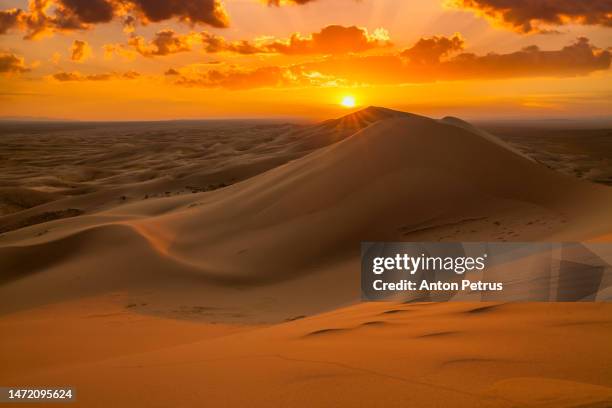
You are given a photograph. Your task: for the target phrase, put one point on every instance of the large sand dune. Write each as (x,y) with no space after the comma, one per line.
(282,242)
(401,177)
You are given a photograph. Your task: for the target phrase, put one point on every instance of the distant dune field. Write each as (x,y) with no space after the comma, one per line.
(171,263)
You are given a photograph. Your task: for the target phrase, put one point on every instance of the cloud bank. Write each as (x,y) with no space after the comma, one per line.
(44,17)
(331,40)
(528,16)
(428,60)
(76,76)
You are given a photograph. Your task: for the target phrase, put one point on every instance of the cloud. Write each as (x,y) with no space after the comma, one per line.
(165,42)
(88,11)
(77,76)
(235,79)
(12,64)
(119,49)
(129,75)
(9,19)
(129,24)
(527,16)
(430,50)
(420,63)
(333,39)
(209,12)
(80,51)
(330,40)
(214,43)
(579,58)
(44,17)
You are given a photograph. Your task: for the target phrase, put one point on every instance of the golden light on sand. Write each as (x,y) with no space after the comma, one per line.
(348,101)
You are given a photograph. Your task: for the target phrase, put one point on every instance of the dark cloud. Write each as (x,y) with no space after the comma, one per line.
(9,19)
(80,51)
(88,11)
(210,12)
(528,16)
(48,16)
(74,76)
(165,42)
(333,39)
(12,64)
(430,50)
(213,44)
(129,24)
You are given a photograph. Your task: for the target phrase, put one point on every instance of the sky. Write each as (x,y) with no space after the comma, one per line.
(192,59)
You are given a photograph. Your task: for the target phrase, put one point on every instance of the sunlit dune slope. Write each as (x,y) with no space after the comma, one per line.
(398,173)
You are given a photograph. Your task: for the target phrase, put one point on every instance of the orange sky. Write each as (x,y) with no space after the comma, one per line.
(145,59)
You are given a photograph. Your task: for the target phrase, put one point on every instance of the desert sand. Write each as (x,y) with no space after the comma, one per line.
(222,268)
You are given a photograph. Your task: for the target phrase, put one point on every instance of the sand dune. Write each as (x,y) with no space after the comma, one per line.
(402,177)
(92,167)
(281,242)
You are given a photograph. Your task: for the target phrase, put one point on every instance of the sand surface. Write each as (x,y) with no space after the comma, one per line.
(223,267)
(382,354)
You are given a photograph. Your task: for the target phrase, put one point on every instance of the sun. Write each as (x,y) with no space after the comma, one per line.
(348,101)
